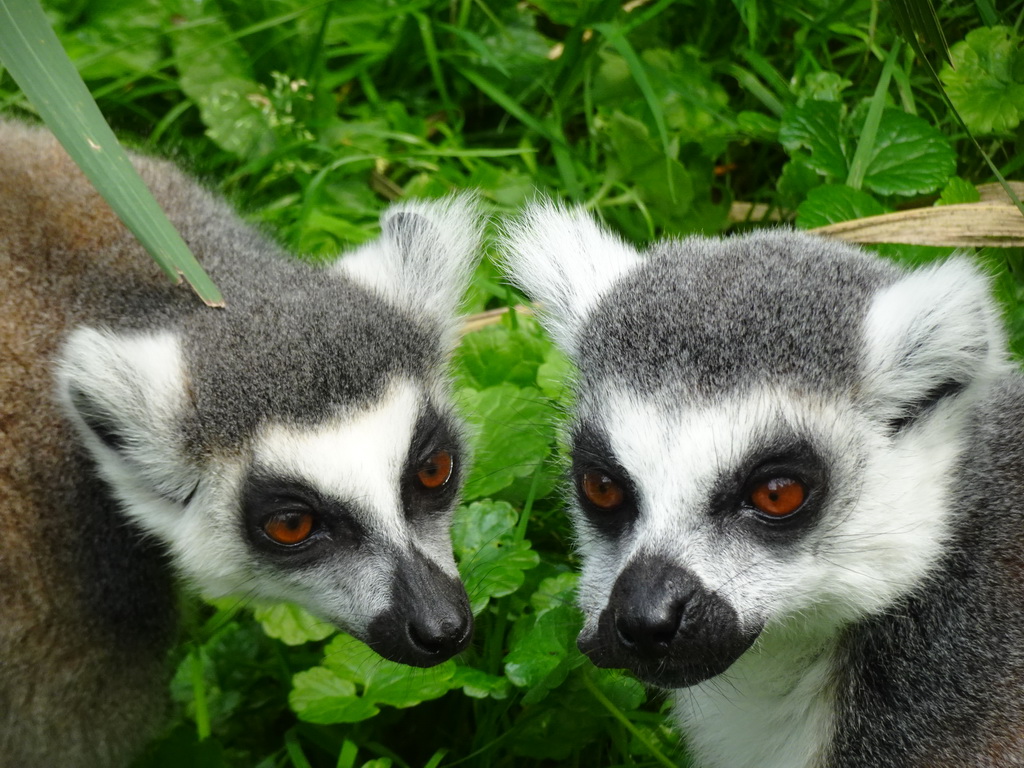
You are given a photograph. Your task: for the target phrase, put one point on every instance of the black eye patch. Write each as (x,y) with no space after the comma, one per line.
(782,459)
(435,442)
(593,459)
(267,498)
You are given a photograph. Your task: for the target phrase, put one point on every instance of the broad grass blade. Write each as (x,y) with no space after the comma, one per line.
(30,51)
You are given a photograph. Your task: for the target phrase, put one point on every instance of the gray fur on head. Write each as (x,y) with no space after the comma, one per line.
(184,401)
(714,372)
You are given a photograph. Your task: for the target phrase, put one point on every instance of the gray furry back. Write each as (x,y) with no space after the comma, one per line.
(941,673)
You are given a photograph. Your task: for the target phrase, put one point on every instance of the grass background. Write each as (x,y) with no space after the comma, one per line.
(663,117)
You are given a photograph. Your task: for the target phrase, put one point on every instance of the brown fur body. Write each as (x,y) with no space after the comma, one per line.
(86,605)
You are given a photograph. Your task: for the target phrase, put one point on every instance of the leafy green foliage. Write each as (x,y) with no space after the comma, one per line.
(986,79)
(290,624)
(908,157)
(958,191)
(492,558)
(352,683)
(834,203)
(657,116)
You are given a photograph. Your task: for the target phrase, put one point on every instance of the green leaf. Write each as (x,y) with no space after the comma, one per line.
(291,624)
(615,37)
(564,12)
(868,135)
(513,433)
(795,182)
(555,375)
(500,353)
(822,86)
(491,560)
(544,649)
(910,157)
(986,80)
(570,717)
(118,41)
(918,22)
(815,127)
(663,183)
(512,106)
(834,203)
(478,684)
(383,681)
(215,73)
(555,592)
(758,126)
(958,191)
(353,681)
(319,695)
(623,691)
(542,657)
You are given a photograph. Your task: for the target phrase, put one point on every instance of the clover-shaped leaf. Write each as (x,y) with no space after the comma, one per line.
(491,561)
(353,681)
(986,79)
(291,624)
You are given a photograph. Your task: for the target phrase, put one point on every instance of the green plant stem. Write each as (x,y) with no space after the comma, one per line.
(615,712)
(866,142)
(199,696)
(294,750)
(524,516)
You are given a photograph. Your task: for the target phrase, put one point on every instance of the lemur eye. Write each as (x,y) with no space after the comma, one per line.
(602,491)
(778,497)
(437,470)
(289,527)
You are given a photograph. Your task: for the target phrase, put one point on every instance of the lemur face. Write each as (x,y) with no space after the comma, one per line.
(761,435)
(301,444)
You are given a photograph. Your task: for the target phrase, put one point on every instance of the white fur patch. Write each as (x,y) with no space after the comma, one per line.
(424,258)
(357,457)
(562,258)
(936,324)
(771,709)
(136,384)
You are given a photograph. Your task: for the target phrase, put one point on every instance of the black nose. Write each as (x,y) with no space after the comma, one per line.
(440,636)
(649,629)
(664,625)
(428,619)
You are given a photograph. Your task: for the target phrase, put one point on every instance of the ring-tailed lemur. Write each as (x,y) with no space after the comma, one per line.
(299,444)
(796,478)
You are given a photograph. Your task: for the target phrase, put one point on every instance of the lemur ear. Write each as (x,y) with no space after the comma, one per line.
(125,394)
(928,337)
(562,258)
(424,258)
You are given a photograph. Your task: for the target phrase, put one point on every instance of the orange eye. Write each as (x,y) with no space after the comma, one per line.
(601,490)
(289,528)
(437,471)
(778,497)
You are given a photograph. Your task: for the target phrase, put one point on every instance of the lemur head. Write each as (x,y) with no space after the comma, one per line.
(300,444)
(763,431)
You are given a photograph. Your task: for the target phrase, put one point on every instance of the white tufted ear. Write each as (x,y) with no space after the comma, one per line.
(932,334)
(126,393)
(562,258)
(424,258)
